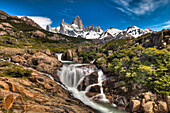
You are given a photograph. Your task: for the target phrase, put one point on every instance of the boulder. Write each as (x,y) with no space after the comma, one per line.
(3,33)
(47,52)
(122,101)
(2,27)
(69,55)
(88,80)
(95,88)
(44,63)
(8,101)
(19,59)
(39,34)
(167,99)
(7,24)
(75,59)
(80,59)
(149,96)
(162,107)
(148,107)
(4,85)
(134,105)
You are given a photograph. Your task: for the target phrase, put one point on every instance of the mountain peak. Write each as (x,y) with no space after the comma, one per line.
(62,21)
(133,27)
(77,21)
(148,29)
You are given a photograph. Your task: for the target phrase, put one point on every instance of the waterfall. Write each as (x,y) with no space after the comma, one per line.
(63,61)
(72,75)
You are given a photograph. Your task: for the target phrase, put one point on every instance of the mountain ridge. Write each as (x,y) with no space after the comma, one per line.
(77,29)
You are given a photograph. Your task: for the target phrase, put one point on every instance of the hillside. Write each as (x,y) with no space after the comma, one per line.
(25,33)
(26,58)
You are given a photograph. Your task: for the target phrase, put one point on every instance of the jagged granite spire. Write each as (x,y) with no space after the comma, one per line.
(77,21)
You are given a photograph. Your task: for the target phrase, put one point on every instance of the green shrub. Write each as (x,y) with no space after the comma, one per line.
(18,72)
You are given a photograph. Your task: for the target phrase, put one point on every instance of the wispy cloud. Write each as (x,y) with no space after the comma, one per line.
(140,7)
(68,12)
(164,25)
(71,1)
(41,21)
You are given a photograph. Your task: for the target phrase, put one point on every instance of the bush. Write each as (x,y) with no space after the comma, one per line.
(12,70)
(18,72)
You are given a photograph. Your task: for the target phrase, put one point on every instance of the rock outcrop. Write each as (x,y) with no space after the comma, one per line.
(30,22)
(38,93)
(88,80)
(69,55)
(157,40)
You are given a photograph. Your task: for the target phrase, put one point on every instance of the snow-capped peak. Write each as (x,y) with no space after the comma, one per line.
(136,31)
(111,32)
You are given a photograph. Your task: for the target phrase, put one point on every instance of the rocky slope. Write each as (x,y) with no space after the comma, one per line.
(36,92)
(23,86)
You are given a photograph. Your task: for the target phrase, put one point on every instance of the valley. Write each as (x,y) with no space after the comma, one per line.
(79,69)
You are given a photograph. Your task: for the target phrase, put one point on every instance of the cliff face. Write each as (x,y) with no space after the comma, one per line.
(158,40)
(77,21)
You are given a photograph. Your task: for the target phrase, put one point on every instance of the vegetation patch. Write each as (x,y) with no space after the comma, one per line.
(12,70)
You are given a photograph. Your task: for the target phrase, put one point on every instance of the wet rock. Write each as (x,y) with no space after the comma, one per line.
(95,88)
(91,94)
(69,55)
(88,80)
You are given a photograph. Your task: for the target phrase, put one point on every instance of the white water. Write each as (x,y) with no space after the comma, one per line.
(63,61)
(72,75)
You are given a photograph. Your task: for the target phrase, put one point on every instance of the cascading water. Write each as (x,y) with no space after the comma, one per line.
(72,75)
(63,61)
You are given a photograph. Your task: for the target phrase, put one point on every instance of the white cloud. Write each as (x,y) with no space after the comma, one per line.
(167,26)
(41,21)
(141,7)
(168,22)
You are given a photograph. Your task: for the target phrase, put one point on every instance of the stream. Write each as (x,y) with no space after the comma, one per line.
(71,75)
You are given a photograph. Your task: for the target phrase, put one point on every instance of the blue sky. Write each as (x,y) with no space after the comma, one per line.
(104,13)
